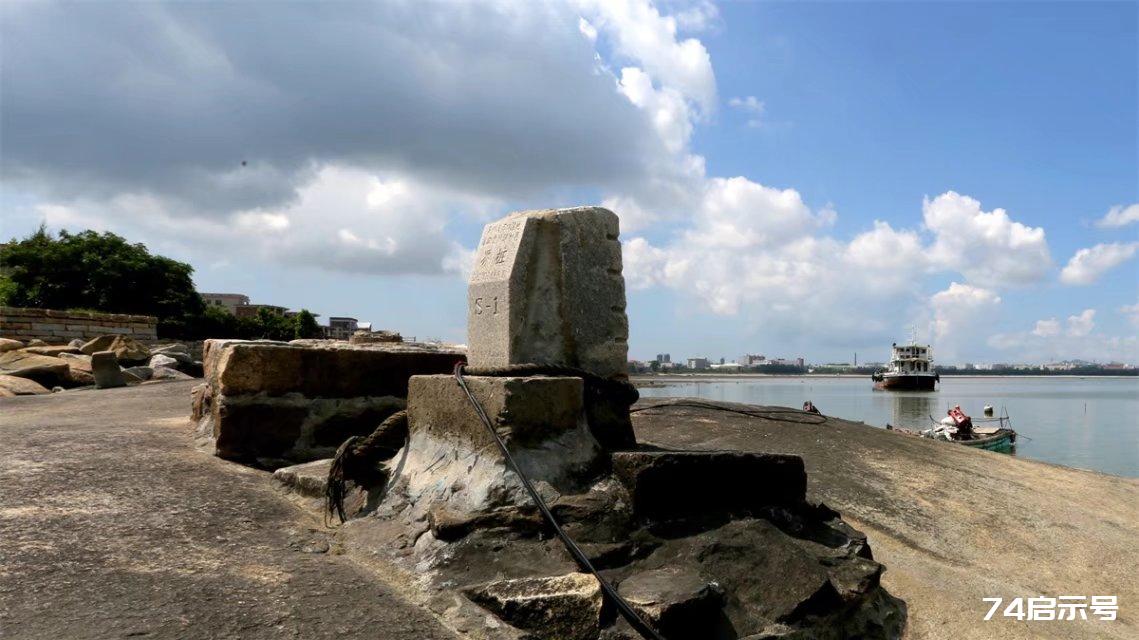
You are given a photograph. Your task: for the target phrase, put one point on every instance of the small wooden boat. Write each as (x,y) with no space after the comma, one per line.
(958,428)
(1000,439)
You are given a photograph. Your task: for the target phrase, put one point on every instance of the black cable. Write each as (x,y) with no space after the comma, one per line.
(766,414)
(579,556)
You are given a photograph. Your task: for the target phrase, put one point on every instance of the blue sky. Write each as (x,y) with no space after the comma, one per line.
(794,179)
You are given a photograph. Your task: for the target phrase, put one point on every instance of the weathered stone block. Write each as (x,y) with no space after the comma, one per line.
(235,367)
(552,608)
(678,484)
(451,457)
(547,288)
(7,344)
(677,601)
(527,411)
(267,429)
(105,368)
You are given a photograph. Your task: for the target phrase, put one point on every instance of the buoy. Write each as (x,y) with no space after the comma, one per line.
(988,409)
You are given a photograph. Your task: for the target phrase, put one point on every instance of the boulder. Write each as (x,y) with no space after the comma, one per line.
(79,361)
(564,607)
(21,386)
(105,366)
(54,350)
(8,344)
(171,349)
(127,350)
(168,373)
(36,342)
(138,374)
(162,360)
(309,479)
(45,370)
(681,484)
(676,601)
(76,344)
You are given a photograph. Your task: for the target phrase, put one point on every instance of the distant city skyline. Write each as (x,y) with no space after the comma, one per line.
(813,178)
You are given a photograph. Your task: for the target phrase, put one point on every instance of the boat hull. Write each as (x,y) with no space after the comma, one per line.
(1001,440)
(906,383)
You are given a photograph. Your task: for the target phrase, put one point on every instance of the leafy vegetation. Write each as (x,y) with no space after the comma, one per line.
(104,272)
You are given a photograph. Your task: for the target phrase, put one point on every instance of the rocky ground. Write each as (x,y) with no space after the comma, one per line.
(112,525)
(951,524)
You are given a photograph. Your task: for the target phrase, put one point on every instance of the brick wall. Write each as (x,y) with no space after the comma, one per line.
(60,327)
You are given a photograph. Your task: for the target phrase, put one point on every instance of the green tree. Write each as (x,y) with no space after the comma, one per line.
(306,326)
(275,326)
(101,272)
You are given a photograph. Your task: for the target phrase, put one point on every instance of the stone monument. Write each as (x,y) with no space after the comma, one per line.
(547,288)
(708,544)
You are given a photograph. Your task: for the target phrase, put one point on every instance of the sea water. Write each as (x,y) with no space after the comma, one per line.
(1084,422)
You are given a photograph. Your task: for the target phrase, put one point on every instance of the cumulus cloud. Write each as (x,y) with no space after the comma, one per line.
(1047,328)
(959,311)
(1082,324)
(1119,216)
(985,246)
(1087,265)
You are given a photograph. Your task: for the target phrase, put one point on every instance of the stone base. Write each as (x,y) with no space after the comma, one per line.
(451,459)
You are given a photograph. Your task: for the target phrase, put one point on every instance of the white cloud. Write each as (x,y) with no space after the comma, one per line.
(1047,328)
(959,312)
(1119,216)
(1080,340)
(751,105)
(1131,311)
(1087,265)
(1081,325)
(987,247)
(640,33)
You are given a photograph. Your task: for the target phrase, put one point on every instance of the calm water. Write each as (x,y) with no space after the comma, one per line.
(1090,423)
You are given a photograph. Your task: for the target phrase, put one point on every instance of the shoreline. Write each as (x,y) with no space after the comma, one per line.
(651,377)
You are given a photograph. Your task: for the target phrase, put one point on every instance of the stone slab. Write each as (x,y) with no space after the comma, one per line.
(564,607)
(235,367)
(680,484)
(105,368)
(547,288)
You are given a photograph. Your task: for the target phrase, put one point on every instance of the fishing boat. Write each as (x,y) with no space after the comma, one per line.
(958,427)
(910,368)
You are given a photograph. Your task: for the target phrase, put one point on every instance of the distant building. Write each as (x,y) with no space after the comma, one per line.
(664,358)
(228,301)
(727,366)
(252,310)
(698,363)
(342,328)
(752,359)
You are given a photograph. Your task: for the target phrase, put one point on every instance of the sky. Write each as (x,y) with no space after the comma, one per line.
(793,179)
